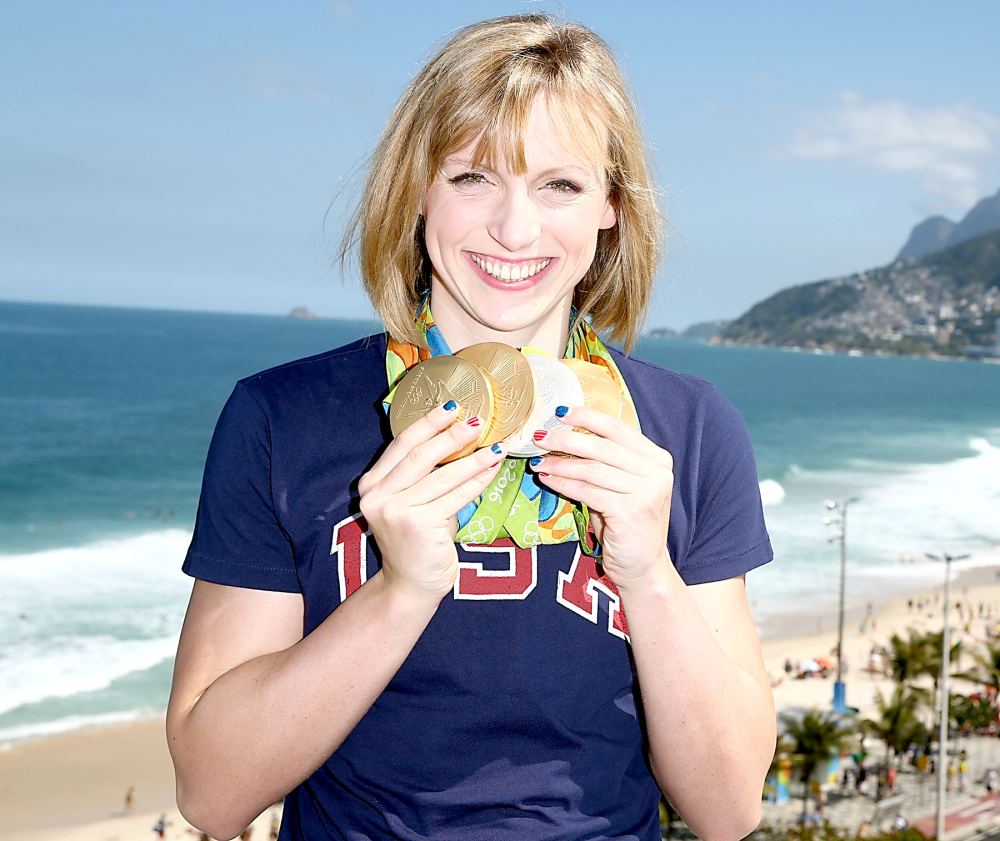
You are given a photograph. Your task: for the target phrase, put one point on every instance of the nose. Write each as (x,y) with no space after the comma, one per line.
(516,221)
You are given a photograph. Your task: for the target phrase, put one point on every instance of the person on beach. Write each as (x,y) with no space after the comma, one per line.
(361,638)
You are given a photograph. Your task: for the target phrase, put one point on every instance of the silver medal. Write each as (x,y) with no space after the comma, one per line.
(555,385)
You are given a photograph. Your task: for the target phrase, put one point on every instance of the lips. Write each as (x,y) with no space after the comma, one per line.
(509,274)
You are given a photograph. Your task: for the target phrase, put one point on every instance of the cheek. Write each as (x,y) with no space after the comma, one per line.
(576,233)
(447,224)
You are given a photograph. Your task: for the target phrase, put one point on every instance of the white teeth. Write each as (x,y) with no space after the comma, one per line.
(508,271)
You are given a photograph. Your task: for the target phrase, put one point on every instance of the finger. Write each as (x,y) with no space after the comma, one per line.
(425,456)
(600,499)
(594,448)
(610,427)
(597,473)
(416,433)
(450,503)
(446,478)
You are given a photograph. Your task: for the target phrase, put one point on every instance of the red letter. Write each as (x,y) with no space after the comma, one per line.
(515,582)
(577,591)
(350,545)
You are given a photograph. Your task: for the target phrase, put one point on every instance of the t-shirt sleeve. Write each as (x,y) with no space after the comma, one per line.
(238,539)
(730,536)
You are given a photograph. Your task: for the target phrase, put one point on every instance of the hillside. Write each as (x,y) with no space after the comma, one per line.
(942,303)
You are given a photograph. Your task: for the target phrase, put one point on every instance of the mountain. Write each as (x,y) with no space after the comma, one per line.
(929,236)
(943,303)
(938,232)
(705,330)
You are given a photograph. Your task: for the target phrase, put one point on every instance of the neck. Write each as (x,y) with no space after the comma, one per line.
(549,334)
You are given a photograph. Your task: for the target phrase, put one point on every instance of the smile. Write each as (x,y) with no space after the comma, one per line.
(507,271)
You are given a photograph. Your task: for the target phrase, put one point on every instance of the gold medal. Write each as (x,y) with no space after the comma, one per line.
(432,382)
(513,385)
(600,391)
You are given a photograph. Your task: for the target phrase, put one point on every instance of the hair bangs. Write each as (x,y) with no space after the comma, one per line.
(497,120)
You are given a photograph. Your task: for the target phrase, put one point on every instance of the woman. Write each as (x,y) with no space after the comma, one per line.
(361,640)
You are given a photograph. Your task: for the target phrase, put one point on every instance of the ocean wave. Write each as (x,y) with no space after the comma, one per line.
(75,619)
(771,492)
(11,736)
(61,668)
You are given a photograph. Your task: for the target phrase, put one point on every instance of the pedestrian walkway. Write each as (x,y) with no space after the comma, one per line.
(966,811)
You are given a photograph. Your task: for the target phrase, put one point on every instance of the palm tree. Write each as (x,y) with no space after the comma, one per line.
(897,724)
(907,657)
(813,737)
(932,661)
(988,671)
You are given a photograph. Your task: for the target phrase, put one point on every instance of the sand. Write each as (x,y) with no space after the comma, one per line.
(71,787)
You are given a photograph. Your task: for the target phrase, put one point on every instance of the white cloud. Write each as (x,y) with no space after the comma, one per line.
(944,146)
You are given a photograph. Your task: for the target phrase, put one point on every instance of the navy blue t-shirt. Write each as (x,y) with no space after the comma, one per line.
(515,715)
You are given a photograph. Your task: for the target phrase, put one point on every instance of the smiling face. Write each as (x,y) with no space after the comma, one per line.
(507,249)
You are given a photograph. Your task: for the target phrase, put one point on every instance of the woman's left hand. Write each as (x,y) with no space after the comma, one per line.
(624,479)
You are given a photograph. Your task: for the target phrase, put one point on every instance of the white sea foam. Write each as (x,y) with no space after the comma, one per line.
(902,512)
(10,736)
(76,619)
(771,492)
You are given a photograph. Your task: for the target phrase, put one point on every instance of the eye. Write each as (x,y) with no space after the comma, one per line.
(468,178)
(563,185)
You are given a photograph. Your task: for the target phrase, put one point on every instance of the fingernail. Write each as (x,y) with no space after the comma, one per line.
(534,461)
(450,406)
(496,448)
(539,434)
(473,421)
(562,411)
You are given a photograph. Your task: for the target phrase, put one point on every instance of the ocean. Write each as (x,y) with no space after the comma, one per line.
(106,416)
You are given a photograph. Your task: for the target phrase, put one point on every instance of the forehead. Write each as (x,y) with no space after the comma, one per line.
(552,131)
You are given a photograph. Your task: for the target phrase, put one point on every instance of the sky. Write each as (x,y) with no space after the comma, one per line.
(205,156)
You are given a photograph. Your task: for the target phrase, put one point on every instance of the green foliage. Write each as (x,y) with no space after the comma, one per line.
(971,714)
(897,724)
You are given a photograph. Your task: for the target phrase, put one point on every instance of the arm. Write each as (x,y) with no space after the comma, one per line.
(708,705)
(255,708)
(707,701)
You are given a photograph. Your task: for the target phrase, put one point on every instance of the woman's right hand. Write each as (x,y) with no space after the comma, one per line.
(410,504)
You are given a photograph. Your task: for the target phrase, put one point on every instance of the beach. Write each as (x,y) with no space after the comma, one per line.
(72,786)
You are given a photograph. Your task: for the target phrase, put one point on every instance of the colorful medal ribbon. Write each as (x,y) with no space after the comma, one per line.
(514,504)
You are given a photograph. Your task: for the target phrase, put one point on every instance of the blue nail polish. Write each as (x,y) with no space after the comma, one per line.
(562,411)
(496,448)
(534,461)
(450,406)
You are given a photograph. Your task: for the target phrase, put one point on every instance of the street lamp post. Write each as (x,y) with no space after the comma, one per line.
(942,769)
(839,687)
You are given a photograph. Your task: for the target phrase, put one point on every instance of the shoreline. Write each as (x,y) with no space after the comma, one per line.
(71,786)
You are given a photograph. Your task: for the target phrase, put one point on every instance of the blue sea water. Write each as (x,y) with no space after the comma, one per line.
(106,415)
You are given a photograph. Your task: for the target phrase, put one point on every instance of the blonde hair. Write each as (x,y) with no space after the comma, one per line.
(482,84)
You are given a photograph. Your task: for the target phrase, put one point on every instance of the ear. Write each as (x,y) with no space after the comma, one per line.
(609,218)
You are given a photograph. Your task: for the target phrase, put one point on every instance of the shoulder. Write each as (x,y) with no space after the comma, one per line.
(345,370)
(671,396)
